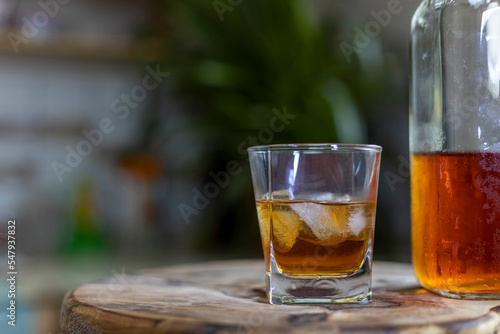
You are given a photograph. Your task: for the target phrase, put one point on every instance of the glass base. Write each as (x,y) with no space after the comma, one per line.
(353,289)
(465,295)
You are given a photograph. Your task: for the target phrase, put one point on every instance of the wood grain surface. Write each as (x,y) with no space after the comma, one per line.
(229,297)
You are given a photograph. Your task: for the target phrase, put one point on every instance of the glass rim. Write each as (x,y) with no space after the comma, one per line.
(326,147)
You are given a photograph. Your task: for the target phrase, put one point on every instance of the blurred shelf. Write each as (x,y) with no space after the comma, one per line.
(73,45)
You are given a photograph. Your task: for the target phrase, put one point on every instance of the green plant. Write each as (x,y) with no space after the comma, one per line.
(232,73)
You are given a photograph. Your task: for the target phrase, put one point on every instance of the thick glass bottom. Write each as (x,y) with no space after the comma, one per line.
(348,289)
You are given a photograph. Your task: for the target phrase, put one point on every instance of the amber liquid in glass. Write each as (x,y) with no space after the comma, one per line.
(456,222)
(316,238)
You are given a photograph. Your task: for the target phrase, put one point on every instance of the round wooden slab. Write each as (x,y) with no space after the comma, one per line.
(229,297)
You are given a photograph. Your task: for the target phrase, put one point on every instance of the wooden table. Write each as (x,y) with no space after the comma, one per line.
(228,297)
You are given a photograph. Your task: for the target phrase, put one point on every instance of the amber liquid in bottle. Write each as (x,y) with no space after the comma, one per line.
(456,222)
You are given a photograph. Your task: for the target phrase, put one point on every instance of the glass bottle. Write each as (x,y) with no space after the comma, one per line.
(455,147)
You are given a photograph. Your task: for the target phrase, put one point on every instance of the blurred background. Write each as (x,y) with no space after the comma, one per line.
(116,115)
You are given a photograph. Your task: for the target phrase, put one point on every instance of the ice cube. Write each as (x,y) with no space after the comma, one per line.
(342,199)
(357,221)
(330,198)
(318,217)
(280,194)
(323,197)
(264,214)
(476,3)
(286,228)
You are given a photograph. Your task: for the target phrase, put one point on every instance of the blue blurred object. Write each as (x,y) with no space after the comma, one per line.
(26,317)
